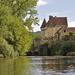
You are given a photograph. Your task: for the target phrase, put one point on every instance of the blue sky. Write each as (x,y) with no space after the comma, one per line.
(63,8)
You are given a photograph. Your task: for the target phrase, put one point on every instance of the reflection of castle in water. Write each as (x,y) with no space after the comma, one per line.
(62,64)
(53,65)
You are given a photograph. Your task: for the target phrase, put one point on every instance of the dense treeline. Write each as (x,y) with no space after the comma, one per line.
(65,46)
(15,17)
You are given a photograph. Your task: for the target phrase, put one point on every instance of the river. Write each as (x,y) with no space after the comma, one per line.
(38,65)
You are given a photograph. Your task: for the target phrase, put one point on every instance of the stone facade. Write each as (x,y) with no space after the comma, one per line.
(55,28)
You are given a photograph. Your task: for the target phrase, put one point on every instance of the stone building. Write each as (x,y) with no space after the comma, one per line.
(55,28)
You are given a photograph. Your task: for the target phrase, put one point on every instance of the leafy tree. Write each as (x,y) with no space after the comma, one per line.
(67,46)
(25,9)
(13,26)
(62,47)
(55,48)
(5,48)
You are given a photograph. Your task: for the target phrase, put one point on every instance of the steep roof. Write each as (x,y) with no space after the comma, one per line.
(55,21)
(71,29)
(43,24)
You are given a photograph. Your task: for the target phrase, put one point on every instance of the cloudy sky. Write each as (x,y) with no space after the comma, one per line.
(65,8)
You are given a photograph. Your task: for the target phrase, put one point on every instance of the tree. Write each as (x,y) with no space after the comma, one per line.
(55,47)
(67,46)
(62,47)
(13,26)
(22,9)
(5,48)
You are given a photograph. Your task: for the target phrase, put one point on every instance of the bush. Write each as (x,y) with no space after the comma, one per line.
(55,48)
(5,48)
(62,47)
(67,46)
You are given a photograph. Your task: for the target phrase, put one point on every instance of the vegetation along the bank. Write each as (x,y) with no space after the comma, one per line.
(63,47)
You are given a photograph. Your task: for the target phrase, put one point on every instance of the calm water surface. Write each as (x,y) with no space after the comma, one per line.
(38,65)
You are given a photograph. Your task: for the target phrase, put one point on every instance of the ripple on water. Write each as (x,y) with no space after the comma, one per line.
(60,66)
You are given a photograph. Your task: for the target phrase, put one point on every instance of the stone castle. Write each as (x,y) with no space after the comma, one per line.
(56,28)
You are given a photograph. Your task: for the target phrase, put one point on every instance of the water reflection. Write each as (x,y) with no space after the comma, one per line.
(36,65)
(53,66)
(18,66)
(21,66)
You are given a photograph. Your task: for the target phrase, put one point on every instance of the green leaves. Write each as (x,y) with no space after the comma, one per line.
(13,32)
(5,48)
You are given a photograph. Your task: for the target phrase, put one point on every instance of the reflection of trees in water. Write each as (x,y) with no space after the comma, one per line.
(21,66)
(17,66)
(6,66)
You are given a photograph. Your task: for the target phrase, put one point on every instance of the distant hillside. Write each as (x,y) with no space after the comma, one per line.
(37,35)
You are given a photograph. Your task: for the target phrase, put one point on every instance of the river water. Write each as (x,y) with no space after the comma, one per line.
(38,65)
(53,65)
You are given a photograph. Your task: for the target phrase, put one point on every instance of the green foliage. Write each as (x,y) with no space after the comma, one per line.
(20,7)
(12,26)
(62,47)
(70,33)
(5,48)
(25,9)
(55,48)
(37,35)
(67,46)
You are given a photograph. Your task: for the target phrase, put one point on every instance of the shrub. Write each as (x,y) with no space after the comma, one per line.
(5,48)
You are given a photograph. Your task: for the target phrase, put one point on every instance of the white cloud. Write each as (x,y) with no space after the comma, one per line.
(42,2)
(71,23)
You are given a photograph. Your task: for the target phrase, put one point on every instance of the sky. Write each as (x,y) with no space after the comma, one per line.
(59,8)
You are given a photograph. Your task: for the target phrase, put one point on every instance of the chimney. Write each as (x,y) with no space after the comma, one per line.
(50,17)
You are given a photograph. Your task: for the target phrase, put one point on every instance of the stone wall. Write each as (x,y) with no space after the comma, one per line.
(51,32)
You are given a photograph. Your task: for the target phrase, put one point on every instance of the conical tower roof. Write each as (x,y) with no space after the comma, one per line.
(43,23)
